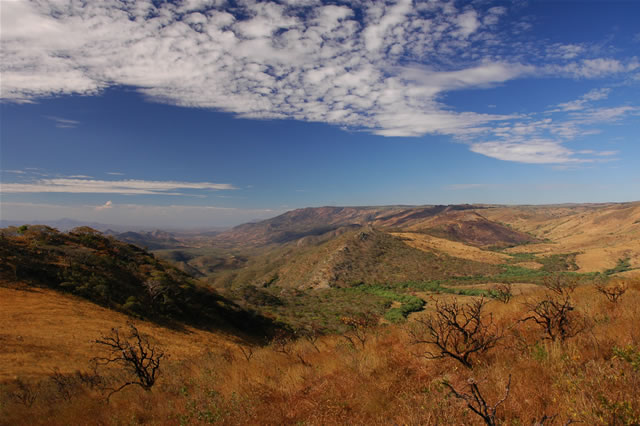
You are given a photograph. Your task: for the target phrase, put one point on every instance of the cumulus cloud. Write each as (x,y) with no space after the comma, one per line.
(378,66)
(126,187)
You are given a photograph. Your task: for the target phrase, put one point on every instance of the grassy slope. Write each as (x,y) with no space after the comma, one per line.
(592,379)
(117,275)
(601,234)
(43,329)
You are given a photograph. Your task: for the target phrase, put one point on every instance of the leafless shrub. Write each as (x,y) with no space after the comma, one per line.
(560,285)
(90,380)
(282,342)
(359,328)
(134,354)
(311,334)
(477,403)
(502,292)
(66,385)
(247,352)
(555,313)
(613,292)
(24,393)
(457,331)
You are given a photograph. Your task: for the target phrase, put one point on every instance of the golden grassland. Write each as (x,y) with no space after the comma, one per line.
(384,381)
(429,243)
(601,234)
(42,329)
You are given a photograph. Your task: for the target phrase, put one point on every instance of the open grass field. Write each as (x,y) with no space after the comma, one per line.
(601,234)
(591,378)
(43,330)
(453,248)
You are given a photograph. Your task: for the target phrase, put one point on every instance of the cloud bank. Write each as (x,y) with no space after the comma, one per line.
(124,187)
(367,65)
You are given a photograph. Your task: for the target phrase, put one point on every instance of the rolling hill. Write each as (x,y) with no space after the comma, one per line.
(119,276)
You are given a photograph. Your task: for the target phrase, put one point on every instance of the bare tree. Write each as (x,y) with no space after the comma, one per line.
(613,292)
(502,292)
(555,313)
(358,328)
(477,402)
(457,331)
(134,354)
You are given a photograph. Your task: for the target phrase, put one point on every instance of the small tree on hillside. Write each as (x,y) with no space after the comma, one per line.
(457,331)
(612,292)
(555,313)
(359,328)
(502,292)
(477,403)
(134,354)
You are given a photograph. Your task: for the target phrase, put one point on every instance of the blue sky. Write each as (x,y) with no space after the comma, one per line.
(214,113)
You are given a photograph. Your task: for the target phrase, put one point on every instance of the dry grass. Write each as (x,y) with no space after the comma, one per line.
(602,234)
(384,382)
(43,329)
(429,243)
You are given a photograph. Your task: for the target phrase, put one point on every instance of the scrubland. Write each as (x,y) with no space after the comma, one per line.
(377,374)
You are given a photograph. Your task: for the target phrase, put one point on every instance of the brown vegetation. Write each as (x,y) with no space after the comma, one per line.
(591,378)
(457,330)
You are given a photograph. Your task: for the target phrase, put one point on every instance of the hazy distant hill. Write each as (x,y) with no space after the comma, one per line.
(459,222)
(149,240)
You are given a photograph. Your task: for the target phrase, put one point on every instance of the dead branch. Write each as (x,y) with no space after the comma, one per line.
(477,403)
(134,354)
(556,315)
(457,331)
(358,328)
(612,293)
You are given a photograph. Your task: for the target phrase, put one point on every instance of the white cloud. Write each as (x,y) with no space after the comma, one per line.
(377,66)
(529,139)
(261,60)
(593,68)
(107,205)
(126,187)
(533,151)
(580,104)
(467,23)
(63,123)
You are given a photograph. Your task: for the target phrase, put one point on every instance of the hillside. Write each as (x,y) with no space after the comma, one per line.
(116,275)
(57,331)
(601,234)
(308,248)
(458,222)
(590,378)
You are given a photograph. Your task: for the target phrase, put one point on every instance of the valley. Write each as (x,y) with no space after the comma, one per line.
(292,290)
